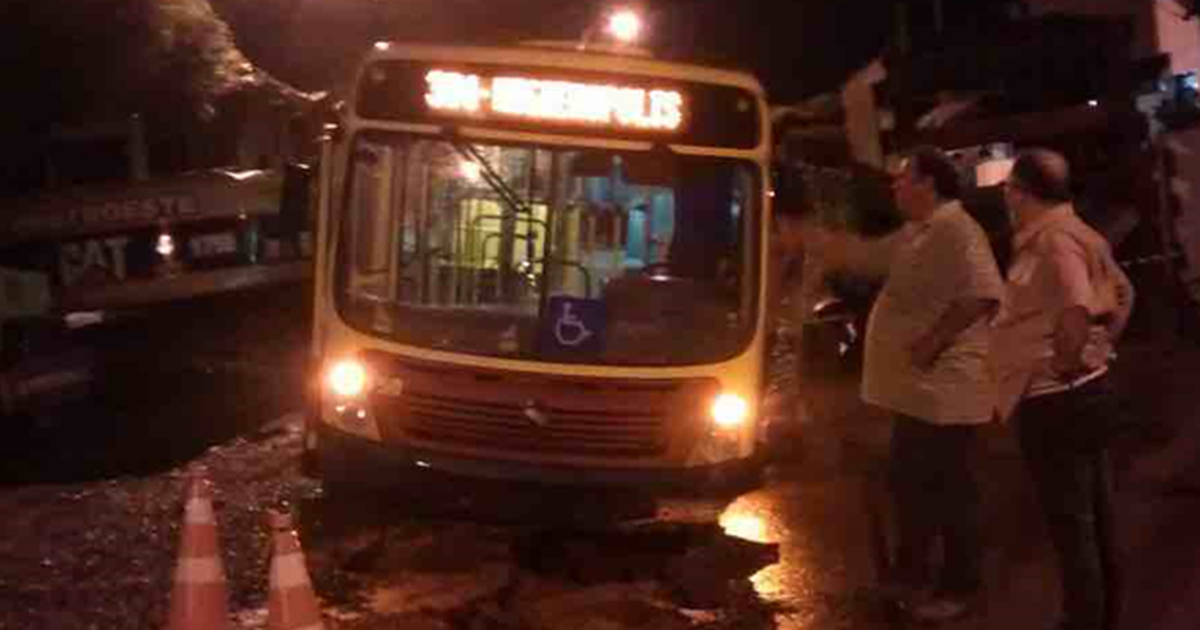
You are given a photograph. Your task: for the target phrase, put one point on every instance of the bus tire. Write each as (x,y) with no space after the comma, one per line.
(336,484)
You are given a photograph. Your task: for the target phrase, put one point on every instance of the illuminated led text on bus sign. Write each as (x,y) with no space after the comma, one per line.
(561,101)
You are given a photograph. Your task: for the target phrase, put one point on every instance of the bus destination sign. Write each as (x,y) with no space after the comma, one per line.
(560,101)
(601,104)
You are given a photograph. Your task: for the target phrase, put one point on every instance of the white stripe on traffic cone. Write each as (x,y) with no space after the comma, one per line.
(199,597)
(292,605)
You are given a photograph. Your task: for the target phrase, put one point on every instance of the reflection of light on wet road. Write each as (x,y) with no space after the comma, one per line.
(768,583)
(818,542)
(753,517)
(748,526)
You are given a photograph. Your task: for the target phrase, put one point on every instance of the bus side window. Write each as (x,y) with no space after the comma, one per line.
(370,202)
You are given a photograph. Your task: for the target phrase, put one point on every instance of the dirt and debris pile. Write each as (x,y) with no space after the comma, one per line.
(102,555)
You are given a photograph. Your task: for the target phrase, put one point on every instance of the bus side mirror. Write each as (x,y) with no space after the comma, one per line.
(787,185)
(295,202)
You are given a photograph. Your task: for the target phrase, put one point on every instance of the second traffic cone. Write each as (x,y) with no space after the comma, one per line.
(292,605)
(198,598)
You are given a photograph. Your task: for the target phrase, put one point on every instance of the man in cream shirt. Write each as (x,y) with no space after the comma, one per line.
(926,362)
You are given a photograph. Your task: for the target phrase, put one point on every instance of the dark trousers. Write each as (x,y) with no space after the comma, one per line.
(935,495)
(1063,440)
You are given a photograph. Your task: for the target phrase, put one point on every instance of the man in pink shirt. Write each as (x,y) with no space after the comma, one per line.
(1066,303)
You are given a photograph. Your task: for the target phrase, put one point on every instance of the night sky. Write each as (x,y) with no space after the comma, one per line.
(798,48)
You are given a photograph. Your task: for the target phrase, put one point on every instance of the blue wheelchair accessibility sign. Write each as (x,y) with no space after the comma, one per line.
(573,326)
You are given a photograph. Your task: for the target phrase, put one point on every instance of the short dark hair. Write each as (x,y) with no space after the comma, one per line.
(1043,174)
(932,162)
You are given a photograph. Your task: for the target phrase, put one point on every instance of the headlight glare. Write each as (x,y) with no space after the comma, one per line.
(730,411)
(347,378)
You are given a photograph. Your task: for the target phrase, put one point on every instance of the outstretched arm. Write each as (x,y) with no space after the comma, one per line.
(849,252)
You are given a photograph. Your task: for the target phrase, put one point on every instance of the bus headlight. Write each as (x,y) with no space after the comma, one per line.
(725,437)
(730,411)
(348,383)
(347,378)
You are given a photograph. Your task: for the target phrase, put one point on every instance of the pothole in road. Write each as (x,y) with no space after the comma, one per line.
(479,576)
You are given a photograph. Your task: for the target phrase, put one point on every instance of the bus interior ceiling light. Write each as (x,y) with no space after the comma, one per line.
(470,171)
(347,378)
(730,410)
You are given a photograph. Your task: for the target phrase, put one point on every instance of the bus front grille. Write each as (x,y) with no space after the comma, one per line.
(536,429)
(544,418)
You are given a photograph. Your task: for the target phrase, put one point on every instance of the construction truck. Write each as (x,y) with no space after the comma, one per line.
(1125,119)
(81,252)
(138,240)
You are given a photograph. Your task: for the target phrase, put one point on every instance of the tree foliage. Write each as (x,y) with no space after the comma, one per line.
(266,29)
(77,61)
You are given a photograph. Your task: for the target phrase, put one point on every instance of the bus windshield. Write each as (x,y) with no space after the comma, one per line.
(544,253)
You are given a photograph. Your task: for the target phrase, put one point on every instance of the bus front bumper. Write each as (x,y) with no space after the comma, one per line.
(351,460)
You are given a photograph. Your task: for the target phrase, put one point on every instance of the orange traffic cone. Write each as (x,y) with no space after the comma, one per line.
(293,605)
(198,599)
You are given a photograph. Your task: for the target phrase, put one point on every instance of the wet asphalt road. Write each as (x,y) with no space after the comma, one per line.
(826,510)
(172,382)
(821,502)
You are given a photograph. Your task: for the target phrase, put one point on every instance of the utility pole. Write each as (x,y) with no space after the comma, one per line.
(898,69)
(900,15)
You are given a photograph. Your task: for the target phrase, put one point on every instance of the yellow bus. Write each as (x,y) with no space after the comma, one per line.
(542,265)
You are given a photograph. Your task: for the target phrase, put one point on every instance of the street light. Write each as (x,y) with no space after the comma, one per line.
(622,26)
(625,26)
